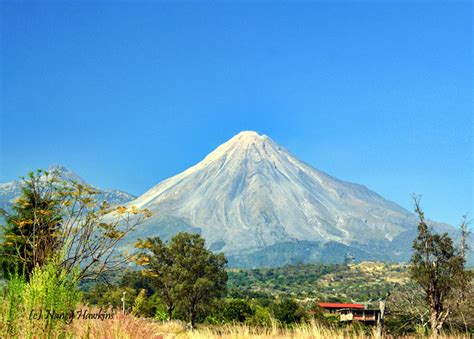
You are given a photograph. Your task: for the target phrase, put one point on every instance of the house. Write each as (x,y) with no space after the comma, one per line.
(352,312)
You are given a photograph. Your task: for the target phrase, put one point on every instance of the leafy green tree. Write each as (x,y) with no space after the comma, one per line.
(158,262)
(136,280)
(287,311)
(261,317)
(186,274)
(200,274)
(237,310)
(438,267)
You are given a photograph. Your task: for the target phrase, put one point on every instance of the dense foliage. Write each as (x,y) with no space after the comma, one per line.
(324,282)
(31,233)
(184,273)
(41,306)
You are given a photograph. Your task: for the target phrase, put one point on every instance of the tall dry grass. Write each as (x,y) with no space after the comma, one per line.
(124,327)
(130,327)
(307,330)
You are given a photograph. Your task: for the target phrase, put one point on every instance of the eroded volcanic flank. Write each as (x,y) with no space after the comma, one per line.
(255,201)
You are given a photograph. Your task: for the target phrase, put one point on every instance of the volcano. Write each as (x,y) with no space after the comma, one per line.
(253,200)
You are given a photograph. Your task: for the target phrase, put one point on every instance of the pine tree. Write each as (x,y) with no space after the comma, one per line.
(31,231)
(64,217)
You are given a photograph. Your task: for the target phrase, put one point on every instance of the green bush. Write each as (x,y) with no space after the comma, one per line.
(287,311)
(43,304)
(11,310)
(237,310)
(261,317)
(161,314)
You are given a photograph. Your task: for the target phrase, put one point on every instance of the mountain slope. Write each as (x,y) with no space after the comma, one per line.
(11,190)
(250,194)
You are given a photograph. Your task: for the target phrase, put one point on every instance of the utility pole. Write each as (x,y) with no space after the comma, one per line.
(380,318)
(123,302)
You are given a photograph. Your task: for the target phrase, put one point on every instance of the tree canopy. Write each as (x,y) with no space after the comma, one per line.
(188,275)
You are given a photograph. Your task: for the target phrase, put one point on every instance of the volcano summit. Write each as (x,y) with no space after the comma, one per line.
(256,202)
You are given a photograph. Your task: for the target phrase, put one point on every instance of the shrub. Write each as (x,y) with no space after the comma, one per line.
(10,305)
(237,310)
(287,311)
(261,317)
(40,306)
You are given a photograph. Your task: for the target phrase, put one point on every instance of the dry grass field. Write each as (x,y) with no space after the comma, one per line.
(129,327)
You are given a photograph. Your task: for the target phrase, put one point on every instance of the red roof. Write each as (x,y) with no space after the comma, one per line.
(340,305)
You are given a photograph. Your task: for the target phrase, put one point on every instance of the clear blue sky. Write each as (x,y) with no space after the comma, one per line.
(127,94)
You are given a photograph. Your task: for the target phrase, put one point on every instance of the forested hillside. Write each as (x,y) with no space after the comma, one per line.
(333,282)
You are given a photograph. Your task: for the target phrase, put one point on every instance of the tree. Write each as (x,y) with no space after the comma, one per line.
(408,307)
(31,232)
(158,263)
(201,275)
(237,310)
(54,216)
(188,275)
(438,267)
(287,311)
